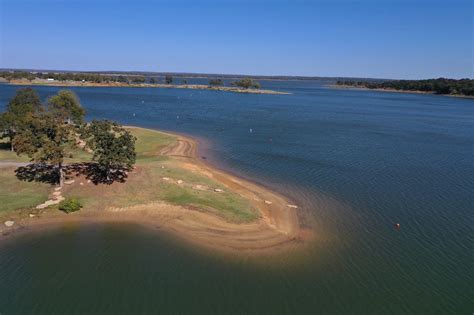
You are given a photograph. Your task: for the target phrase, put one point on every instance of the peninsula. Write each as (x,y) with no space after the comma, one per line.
(244,85)
(441,86)
(164,183)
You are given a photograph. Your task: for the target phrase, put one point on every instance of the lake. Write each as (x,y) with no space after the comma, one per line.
(356,162)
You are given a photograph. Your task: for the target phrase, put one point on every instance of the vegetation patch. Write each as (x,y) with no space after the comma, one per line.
(16,194)
(70,205)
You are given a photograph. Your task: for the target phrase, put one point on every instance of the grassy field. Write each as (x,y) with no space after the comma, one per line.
(156,178)
(16,194)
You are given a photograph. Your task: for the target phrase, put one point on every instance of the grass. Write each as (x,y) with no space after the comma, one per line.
(145,185)
(16,194)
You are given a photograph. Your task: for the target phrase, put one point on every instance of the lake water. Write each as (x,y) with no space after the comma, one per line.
(355,161)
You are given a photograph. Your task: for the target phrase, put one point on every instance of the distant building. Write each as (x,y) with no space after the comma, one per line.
(49,79)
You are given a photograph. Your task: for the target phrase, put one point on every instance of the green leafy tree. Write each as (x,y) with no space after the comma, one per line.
(48,137)
(65,106)
(168,79)
(113,146)
(247,84)
(19,110)
(215,82)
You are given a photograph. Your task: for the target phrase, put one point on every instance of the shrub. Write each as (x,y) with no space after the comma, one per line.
(70,205)
(247,84)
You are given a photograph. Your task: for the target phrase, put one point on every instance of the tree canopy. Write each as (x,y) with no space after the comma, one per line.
(65,106)
(47,136)
(49,133)
(113,146)
(437,86)
(215,82)
(247,84)
(19,110)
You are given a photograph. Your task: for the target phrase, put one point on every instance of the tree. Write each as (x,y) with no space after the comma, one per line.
(48,136)
(247,84)
(138,79)
(168,79)
(25,103)
(152,80)
(215,82)
(65,106)
(113,147)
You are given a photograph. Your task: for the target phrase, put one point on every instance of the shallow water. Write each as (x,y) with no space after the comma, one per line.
(355,161)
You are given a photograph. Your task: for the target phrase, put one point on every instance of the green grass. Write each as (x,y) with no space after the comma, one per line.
(16,194)
(150,142)
(146,185)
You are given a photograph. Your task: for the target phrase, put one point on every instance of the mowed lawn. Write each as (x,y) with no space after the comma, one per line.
(16,194)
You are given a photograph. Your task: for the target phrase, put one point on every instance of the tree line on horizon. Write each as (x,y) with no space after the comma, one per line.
(48,133)
(244,83)
(437,86)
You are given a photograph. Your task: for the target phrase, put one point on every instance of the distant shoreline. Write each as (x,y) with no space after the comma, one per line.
(144,85)
(362,88)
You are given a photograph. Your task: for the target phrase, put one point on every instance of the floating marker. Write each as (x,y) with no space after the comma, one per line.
(397,226)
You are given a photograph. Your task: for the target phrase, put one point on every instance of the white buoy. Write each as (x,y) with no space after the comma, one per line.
(250,130)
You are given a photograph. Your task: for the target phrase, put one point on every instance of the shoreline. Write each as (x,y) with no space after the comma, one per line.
(362,88)
(276,228)
(145,85)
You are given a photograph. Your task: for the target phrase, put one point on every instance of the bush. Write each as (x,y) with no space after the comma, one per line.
(70,205)
(247,84)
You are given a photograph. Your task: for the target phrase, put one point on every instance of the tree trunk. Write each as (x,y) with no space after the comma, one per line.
(61,174)
(11,135)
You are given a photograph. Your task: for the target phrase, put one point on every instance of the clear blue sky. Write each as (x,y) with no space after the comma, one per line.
(365,38)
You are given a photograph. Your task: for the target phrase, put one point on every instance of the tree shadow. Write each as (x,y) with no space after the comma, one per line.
(38,172)
(5,146)
(97,174)
(49,174)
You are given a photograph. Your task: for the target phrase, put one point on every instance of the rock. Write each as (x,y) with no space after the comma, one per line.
(179,181)
(88,181)
(57,189)
(81,183)
(162,167)
(218,190)
(69,182)
(268,202)
(57,193)
(166,178)
(32,215)
(293,206)
(9,223)
(41,206)
(200,187)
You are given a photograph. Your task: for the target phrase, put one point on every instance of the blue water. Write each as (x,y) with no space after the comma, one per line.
(355,161)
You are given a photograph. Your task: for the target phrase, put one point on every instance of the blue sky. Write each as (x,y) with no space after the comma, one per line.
(365,38)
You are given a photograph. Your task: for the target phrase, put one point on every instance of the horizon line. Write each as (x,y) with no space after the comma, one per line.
(262,76)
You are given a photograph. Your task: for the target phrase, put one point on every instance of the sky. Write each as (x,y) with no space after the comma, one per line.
(397,39)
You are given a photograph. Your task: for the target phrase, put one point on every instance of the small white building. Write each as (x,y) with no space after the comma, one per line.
(49,79)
